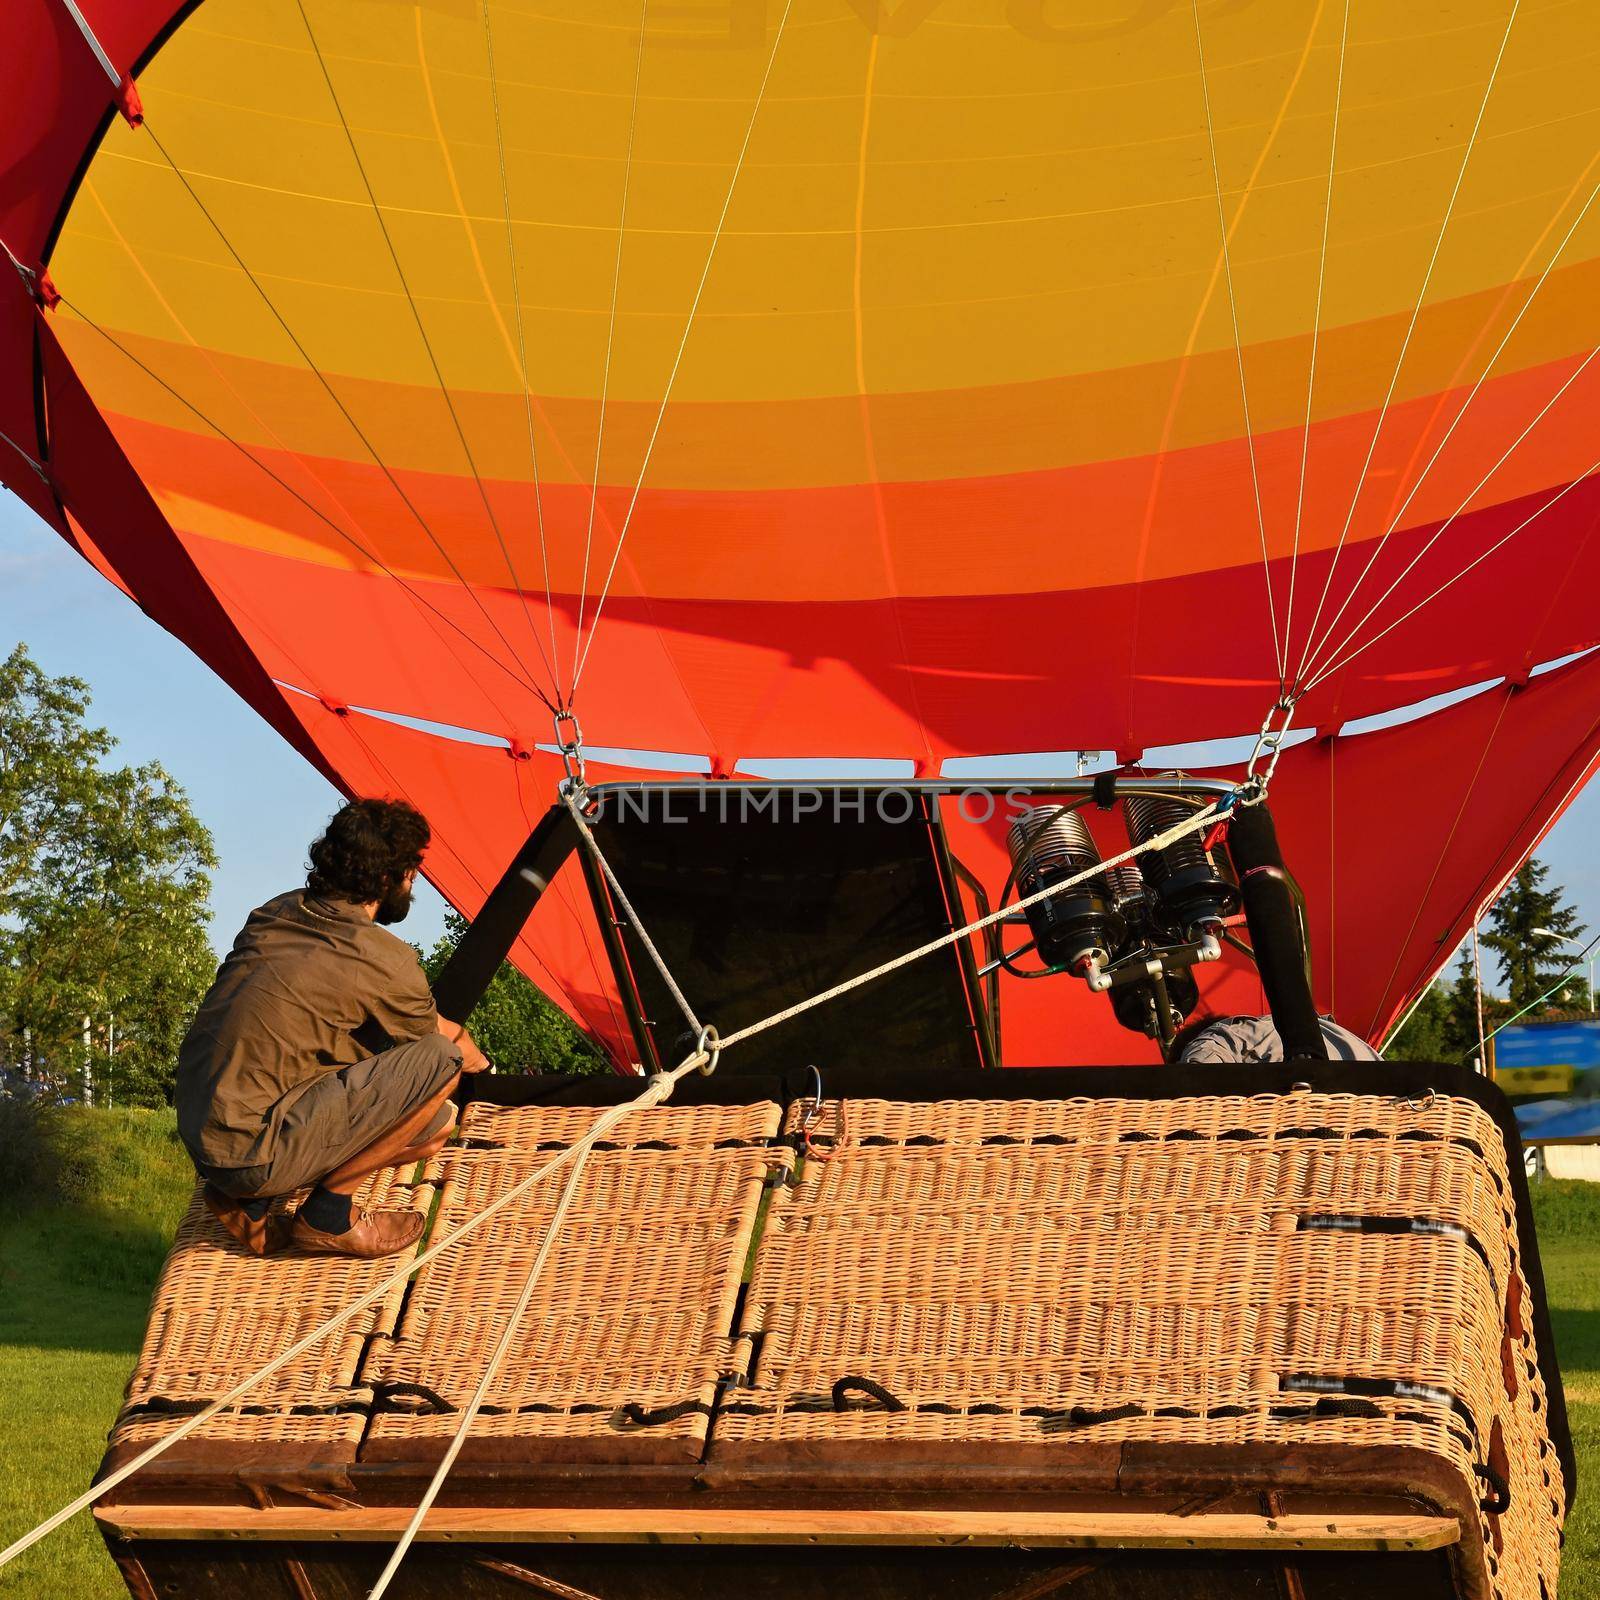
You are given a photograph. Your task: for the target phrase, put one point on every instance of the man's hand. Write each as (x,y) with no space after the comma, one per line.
(472,1058)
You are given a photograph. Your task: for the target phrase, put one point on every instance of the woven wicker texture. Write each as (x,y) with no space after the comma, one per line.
(1295,1269)
(636,1301)
(220,1313)
(1214,1271)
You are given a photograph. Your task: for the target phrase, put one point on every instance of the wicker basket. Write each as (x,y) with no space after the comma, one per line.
(899,1303)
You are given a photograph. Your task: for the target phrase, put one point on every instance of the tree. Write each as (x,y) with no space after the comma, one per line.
(1444,1025)
(104,890)
(514,1025)
(1461,1010)
(1425,1035)
(1527,926)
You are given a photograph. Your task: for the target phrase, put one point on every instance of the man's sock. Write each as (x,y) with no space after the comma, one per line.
(326,1211)
(255,1209)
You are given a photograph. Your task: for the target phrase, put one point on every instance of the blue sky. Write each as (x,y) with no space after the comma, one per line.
(261,801)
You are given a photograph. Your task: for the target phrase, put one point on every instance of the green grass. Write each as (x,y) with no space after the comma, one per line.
(1568,1215)
(76,1274)
(75,1281)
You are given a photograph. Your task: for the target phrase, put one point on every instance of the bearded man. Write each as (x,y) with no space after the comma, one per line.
(317,1056)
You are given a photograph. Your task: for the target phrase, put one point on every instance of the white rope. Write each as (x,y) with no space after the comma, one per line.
(1279,649)
(611,333)
(1316,333)
(1191,824)
(593,845)
(677,360)
(1472,394)
(522,351)
(1312,645)
(1477,995)
(515,667)
(503,1345)
(658,1090)
(1341,662)
(429,350)
(1439,532)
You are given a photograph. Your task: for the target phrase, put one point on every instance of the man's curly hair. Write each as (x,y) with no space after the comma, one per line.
(369,846)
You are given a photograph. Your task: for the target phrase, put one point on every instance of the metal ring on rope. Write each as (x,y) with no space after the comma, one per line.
(709,1045)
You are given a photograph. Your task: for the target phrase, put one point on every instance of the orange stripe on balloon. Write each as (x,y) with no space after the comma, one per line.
(754,444)
(1074,528)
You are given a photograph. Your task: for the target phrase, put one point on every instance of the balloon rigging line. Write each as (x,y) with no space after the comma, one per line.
(593,846)
(1278,645)
(1439,532)
(344,411)
(315,510)
(1316,331)
(522,349)
(37,466)
(1477,995)
(1565,978)
(92,40)
(283,447)
(1313,643)
(1560,494)
(552,1232)
(1472,394)
(611,334)
(694,306)
(427,343)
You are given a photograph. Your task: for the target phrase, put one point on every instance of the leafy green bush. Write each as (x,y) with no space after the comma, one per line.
(30,1166)
(514,1025)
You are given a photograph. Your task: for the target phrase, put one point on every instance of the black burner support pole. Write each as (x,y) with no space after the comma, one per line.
(1277,932)
(486,943)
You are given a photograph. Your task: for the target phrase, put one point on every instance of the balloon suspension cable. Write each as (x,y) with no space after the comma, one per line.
(572,796)
(1539,999)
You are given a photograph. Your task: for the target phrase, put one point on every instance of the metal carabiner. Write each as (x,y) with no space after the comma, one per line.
(1268,747)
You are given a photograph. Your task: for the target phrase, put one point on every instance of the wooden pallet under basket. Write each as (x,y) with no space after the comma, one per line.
(1132,1332)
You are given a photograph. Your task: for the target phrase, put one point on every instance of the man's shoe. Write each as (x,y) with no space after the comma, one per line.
(261,1236)
(372,1234)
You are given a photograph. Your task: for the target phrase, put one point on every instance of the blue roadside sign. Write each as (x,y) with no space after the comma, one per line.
(1548,1044)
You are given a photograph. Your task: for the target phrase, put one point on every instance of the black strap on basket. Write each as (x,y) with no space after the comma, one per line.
(854,1383)
(643,1416)
(1087,1417)
(434,1404)
(1498,1501)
